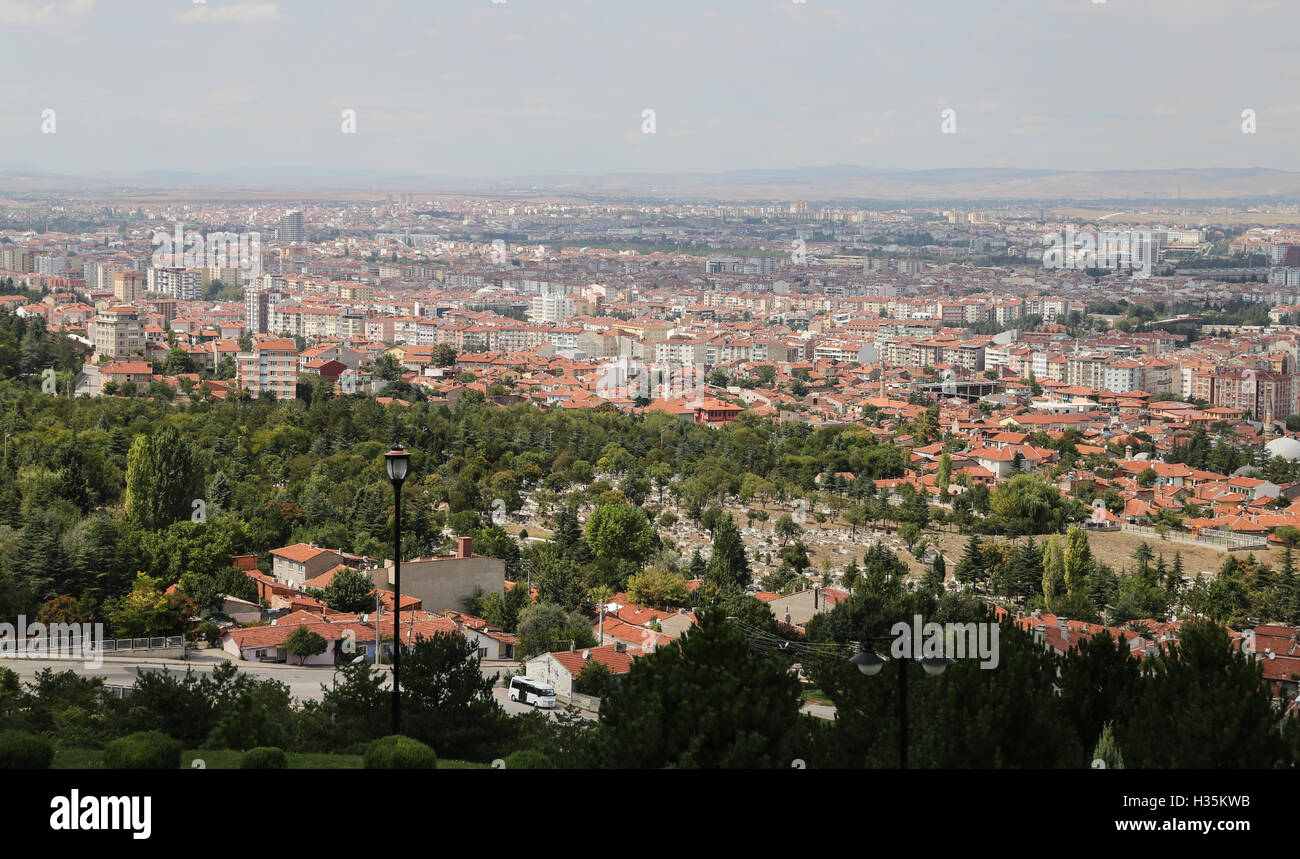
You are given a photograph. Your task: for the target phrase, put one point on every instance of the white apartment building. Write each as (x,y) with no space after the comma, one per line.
(551,308)
(1123,375)
(563,338)
(179,283)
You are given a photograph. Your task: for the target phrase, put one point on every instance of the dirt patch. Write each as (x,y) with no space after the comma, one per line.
(1116,548)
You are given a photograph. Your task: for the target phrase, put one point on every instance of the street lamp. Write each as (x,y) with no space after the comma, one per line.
(397,462)
(870,663)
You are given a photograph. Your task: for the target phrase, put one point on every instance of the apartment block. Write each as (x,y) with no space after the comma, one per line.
(271,366)
(118,331)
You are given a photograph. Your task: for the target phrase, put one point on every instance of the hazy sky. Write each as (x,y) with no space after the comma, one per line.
(483,89)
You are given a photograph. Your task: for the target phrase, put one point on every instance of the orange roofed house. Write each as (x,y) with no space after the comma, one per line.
(294,565)
(561,668)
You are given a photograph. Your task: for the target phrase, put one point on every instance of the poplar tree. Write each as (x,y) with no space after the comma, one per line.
(1053,570)
(1078,561)
(160,478)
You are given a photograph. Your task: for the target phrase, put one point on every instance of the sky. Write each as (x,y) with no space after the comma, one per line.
(484,89)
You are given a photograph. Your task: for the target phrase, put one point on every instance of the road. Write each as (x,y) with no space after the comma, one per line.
(304,681)
(821,711)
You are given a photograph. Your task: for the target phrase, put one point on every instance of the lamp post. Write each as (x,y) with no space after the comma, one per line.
(397,462)
(869,663)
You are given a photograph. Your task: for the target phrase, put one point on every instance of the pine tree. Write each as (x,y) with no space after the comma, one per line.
(851,575)
(1026,570)
(219,492)
(934,576)
(728,566)
(1107,749)
(1143,555)
(1204,674)
(970,569)
(1101,586)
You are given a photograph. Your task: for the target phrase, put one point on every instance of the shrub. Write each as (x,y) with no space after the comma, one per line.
(264,758)
(528,759)
(396,752)
(143,750)
(20,750)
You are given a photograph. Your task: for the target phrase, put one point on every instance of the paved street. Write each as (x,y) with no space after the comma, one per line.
(304,682)
(821,711)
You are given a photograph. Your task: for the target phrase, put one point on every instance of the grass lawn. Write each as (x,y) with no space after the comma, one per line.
(225,759)
(817,696)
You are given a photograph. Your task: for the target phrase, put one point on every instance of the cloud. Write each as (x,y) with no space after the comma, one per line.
(241,13)
(18,13)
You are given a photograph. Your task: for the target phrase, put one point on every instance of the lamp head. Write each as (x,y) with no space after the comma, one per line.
(397,461)
(868,661)
(936,666)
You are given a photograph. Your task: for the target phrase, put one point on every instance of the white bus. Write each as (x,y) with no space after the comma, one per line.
(534,692)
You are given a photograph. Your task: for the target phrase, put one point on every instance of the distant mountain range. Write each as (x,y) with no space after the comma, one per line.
(839,183)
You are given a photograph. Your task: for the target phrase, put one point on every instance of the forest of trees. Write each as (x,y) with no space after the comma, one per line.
(95,492)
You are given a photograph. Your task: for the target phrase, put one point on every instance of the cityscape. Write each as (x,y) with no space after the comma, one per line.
(607,459)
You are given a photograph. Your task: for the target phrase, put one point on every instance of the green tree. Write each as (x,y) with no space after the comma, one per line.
(944,474)
(728,563)
(620,532)
(595,680)
(544,627)
(558,579)
(443,355)
(357,709)
(502,609)
(161,475)
(1078,561)
(658,588)
(179,361)
(1107,749)
(350,591)
(303,642)
(709,702)
(1027,504)
(447,700)
(786,528)
(148,610)
(1235,723)
(1053,570)
(1098,681)
(971,568)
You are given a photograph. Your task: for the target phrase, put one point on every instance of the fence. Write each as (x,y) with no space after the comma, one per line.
(1225,540)
(169,642)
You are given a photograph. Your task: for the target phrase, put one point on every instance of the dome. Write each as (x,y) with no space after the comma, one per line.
(1287,448)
